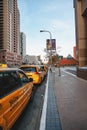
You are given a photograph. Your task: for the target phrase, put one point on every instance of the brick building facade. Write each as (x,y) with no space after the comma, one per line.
(9,32)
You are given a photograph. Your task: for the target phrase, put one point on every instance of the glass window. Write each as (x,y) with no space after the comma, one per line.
(24,79)
(42,68)
(9,81)
(29,69)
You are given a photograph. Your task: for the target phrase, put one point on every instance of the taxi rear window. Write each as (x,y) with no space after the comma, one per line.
(9,81)
(30,69)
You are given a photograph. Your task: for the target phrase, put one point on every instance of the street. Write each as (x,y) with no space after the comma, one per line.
(30,118)
(43,65)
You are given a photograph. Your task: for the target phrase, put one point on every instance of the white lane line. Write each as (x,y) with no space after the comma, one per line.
(43,116)
(75,76)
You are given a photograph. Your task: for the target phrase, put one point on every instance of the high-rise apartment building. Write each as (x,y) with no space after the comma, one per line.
(22,44)
(9,32)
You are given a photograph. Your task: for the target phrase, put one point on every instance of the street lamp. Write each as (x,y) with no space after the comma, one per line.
(50,41)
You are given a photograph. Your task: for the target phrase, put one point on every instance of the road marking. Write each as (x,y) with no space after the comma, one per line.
(43,117)
(75,76)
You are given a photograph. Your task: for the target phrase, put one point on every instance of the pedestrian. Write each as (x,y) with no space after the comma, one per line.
(50,69)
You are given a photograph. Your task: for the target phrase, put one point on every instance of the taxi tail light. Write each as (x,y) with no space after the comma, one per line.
(36,72)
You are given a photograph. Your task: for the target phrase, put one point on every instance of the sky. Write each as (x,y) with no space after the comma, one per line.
(56,16)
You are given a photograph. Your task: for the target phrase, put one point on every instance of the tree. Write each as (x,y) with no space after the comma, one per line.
(51,55)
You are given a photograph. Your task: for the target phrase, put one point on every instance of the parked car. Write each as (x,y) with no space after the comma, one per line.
(43,68)
(15,92)
(34,72)
(3,65)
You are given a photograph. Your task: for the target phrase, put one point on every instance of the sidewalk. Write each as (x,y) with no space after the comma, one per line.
(71,98)
(66,102)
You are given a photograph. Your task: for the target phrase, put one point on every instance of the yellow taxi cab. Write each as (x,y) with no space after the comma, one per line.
(15,92)
(3,65)
(33,71)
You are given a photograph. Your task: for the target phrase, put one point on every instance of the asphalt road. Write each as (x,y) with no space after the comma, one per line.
(30,118)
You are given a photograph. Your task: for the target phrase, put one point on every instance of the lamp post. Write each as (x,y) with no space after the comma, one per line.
(50,42)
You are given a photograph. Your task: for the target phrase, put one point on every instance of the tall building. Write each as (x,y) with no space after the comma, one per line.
(9,32)
(22,44)
(31,59)
(81,36)
(81,33)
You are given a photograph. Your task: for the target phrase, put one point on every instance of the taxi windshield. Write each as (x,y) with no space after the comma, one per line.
(29,69)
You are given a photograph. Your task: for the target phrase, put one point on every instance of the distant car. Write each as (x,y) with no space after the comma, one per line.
(3,65)
(15,92)
(33,71)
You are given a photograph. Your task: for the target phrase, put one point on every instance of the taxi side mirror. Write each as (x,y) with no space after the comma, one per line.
(30,80)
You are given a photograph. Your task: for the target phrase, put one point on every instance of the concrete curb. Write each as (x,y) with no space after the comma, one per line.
(43,117)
